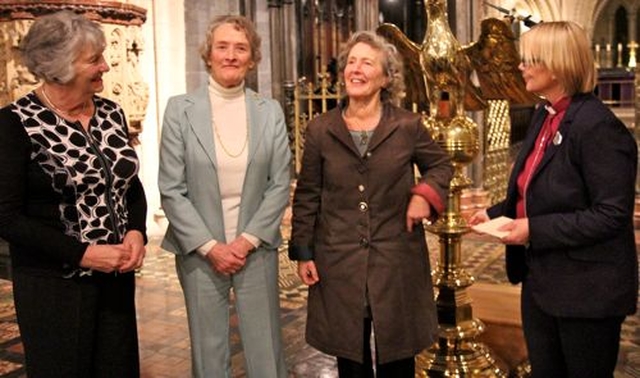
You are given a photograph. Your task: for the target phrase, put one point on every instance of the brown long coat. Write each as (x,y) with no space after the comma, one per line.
(349,217)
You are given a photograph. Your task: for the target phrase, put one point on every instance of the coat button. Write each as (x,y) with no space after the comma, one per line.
(361,188)
(364,242)
(363,206)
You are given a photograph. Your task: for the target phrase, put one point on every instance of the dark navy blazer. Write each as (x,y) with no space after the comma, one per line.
(581,257)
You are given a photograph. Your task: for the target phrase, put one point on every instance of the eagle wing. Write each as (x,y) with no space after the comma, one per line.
(495,59)
(415,84)
(415,77)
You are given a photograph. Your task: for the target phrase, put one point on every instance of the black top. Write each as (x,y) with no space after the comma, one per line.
(63,188)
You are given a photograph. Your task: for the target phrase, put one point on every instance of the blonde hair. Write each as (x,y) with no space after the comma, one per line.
(391,64)
(564,48)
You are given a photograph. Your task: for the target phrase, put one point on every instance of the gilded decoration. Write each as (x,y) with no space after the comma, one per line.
(305,101)
(121,24)
(497,143)
(439,66)
(495,59)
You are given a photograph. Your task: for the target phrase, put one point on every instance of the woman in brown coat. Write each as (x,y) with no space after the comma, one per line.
(355,209)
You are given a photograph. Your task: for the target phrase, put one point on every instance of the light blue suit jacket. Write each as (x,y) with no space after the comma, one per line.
(188,179)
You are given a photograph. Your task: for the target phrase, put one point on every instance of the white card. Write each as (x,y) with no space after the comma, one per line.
(491,227)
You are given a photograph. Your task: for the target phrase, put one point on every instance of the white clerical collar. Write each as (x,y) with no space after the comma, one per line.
(550,109)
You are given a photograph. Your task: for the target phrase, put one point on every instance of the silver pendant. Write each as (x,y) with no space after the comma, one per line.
(364,138)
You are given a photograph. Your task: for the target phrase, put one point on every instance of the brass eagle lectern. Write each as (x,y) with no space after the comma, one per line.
(446,67)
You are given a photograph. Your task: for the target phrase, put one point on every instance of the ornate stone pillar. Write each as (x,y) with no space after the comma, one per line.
(121,24)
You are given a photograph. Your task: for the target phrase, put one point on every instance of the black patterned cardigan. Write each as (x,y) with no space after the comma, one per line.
(63,188)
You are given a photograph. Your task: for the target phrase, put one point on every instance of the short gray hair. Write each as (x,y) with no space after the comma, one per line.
(54,42)
(391,65)
(240,23)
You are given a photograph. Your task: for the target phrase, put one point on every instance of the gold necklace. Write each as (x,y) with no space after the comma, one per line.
(58,110)
(226,151)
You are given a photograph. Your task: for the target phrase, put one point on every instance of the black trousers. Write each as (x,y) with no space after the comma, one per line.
(78,327)
(404,368)
(569,347)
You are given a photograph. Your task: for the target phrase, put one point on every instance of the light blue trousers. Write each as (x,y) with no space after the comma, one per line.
(207,297)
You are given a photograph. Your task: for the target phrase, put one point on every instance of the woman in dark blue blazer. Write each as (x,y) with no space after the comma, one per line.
(571,194)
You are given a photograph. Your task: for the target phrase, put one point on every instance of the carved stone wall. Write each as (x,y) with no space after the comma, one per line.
(121,24)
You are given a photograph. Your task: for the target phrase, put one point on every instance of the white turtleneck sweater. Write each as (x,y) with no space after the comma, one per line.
(231,135)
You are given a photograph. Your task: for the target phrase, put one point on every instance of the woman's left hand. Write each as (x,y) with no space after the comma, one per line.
(241,247)
(417,210)
(134,241)
(518,232)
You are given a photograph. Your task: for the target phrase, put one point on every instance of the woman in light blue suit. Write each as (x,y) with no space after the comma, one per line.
(224,181)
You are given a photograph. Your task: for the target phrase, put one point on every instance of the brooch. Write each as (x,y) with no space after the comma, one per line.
(557,139)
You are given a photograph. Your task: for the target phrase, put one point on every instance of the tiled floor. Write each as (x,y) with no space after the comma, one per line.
(162,325)
(164,342)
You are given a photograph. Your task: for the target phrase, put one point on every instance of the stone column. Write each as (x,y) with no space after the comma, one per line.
(611,19)
(121,24)
(290,41)
(277,47)
(367,14)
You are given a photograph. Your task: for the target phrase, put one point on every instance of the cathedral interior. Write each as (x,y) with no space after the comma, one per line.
(153,54)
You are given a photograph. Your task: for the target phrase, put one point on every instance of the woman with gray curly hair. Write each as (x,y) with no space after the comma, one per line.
(357,214)
(72,208)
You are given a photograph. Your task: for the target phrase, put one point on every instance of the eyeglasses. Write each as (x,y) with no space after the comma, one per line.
(530,62)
